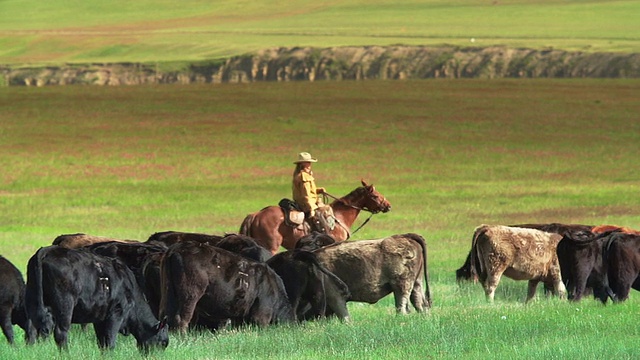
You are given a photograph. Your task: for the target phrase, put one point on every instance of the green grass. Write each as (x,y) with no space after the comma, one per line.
(127,162)
(38,32)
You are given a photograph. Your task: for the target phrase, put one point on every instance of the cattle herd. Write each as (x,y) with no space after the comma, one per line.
(178,281)
(569,259)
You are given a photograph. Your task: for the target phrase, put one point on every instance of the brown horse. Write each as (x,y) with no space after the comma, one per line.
(268,228)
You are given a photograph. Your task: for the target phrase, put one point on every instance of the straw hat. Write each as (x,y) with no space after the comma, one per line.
(305,157)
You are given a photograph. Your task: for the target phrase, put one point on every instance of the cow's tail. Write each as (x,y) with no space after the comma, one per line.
(170,266)
(606,249)
(245,227)
(475,254)
(420,240)
(310,257)
(37,312)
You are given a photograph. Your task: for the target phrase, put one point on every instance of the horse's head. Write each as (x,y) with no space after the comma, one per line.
(374,201)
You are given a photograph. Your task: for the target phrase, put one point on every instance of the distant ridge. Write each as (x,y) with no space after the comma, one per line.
(344,63)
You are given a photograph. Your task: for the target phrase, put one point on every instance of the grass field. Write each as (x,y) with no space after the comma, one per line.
(126,162)
(36,32)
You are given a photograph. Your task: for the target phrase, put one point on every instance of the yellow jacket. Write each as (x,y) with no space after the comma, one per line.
(305,191)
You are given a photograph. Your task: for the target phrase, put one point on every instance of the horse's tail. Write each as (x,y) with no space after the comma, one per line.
(245,228)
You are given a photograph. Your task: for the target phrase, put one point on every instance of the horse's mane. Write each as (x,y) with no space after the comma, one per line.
(353,194)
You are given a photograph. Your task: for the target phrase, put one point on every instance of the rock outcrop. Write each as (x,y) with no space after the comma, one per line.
(344,63)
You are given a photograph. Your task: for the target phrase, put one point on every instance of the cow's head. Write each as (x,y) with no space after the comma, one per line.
(157,337)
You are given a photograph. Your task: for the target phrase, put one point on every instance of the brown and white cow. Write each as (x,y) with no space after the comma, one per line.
(372,269)
(518,253)
(74,241)
(464,272)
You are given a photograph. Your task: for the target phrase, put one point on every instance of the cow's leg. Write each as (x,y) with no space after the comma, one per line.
(5,323)
(262,314)
(29,330)
(62,314)
(490,285)
(621,276)
(315,290)
(531,292)
(579,286)
(558,287)
(418,299)
(402,292)
(107,332)
(338,306)
(621,287)
(182,313)
(185,313)
(61,332)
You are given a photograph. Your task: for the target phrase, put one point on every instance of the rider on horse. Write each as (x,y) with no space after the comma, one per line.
(306,193)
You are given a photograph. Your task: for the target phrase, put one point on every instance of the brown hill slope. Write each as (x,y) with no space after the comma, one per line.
(347,63)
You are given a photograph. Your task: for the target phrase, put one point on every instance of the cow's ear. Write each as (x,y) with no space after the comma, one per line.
(162,324)
(364,183)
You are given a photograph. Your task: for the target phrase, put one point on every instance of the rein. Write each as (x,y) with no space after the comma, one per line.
(363,224)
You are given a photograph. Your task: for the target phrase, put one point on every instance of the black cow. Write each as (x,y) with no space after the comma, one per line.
(623,264)
(152,274)
(314,241)
(557,228)
(312,289)
(240,244)
(245,246)
(216,285)
(150,267)
(608,262)
(12,309)
(582,266)
(79,286)
(171,237)
(131,254)
(136,256)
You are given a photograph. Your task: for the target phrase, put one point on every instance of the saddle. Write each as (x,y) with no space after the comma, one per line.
(294,217)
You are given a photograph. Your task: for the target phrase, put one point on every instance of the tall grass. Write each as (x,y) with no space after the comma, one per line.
(37,32)
(449,155)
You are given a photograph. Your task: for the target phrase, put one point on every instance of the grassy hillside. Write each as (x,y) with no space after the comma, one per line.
(449,155)
(129,161)
(38,32)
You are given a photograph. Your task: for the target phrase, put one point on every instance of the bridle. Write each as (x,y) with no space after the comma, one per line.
(341,200)
(349,233)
